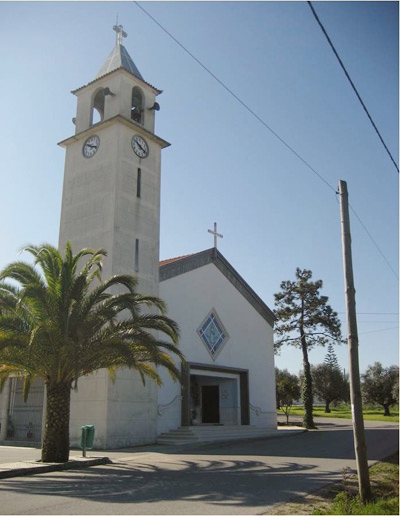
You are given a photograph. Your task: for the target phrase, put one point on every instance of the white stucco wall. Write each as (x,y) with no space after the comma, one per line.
(101,208)
(123,412)
(190,297)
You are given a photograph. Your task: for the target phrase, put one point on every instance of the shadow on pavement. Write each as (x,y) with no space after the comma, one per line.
(312,444)
(254,474)
(236,483)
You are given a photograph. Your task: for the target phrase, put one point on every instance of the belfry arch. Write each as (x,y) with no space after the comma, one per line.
(97,114)
(137,105)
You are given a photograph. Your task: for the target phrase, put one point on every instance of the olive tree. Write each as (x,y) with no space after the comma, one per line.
(287,391)
(379,385)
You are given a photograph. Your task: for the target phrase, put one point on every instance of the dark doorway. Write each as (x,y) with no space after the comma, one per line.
(189,369)
(210,403)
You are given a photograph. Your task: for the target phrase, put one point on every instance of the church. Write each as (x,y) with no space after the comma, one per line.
(111,200)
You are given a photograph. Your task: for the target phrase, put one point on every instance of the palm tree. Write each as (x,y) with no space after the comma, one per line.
(60,321)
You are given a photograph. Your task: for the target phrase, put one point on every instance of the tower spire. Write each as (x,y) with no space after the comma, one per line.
(119,57)
(121,34)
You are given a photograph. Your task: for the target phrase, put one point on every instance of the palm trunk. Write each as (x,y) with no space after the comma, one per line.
(55,446)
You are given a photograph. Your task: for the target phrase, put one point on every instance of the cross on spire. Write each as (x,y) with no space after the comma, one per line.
(216,234)
(121,34)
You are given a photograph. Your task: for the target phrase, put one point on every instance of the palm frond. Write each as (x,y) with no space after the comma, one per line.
(61,321)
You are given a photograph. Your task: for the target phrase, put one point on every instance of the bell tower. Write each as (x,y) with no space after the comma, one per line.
(111,200)
(111,192)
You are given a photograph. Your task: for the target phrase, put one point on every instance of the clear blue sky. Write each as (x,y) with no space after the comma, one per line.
(224,165)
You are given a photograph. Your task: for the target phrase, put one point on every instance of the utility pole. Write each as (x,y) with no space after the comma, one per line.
(360,446)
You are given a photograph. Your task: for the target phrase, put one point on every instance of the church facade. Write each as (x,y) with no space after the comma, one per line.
(227,339)
(111,200)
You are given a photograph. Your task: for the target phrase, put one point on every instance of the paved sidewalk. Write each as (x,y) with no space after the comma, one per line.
(245,477)
(23,460)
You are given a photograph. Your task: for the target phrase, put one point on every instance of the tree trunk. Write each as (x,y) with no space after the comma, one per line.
(5,410)
(308,421)
(56,434)
(387,411)
(327,408)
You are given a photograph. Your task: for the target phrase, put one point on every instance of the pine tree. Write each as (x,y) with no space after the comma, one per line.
(331,358)
(304,320)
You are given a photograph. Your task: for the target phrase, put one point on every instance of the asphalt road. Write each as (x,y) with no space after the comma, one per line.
(231,478)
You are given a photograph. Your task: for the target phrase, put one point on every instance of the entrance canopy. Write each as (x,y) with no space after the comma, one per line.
(214,395)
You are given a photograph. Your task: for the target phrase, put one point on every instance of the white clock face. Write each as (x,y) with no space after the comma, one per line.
(91,146)
(140,147)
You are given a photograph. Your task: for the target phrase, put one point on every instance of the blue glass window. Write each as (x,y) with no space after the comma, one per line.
(213,333)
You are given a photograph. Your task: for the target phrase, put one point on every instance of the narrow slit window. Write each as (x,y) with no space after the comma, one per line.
(139,183)
(137,255)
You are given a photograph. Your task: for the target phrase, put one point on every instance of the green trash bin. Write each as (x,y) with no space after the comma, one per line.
(87,437)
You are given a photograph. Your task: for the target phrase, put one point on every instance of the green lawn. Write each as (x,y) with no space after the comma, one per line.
(384,478)
(344,412)
(342,498)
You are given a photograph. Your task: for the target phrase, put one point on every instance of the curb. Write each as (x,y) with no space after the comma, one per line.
(29,468)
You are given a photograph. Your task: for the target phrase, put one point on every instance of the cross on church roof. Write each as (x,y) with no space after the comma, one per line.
(121,34)
(216,235)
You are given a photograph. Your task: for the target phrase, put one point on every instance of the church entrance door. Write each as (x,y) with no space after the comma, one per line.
(210,403)
(214,395)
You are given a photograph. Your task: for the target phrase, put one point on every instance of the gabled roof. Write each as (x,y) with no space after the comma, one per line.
(119,58)
(170,260)
(183,264)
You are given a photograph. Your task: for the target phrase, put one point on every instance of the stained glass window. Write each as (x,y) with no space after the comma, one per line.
(213,333)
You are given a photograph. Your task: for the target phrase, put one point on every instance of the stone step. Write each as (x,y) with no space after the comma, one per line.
(209,433)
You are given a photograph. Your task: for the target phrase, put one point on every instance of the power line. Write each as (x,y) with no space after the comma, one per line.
(377,331)
(376,322)
(261,121)
(373,241)
(236,97)
(352,84)
(373,313)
